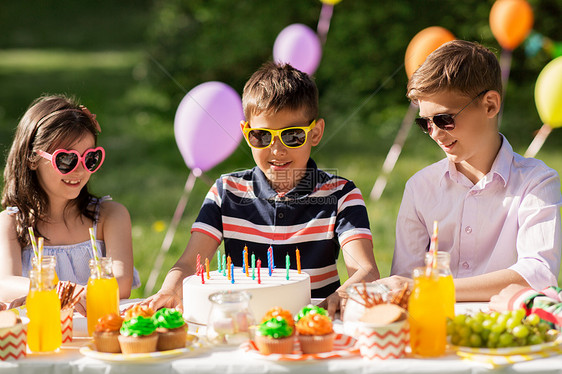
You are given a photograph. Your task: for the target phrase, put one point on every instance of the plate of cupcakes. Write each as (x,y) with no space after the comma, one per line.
(309,336)
(141,335)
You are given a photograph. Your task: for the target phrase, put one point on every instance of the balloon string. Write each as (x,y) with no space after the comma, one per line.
(505,67)
(538,141)
(324,21)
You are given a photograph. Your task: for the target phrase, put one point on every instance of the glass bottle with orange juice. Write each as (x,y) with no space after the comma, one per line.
(43,310)
(446,284)
(426,314)
(102,292)
(47,261)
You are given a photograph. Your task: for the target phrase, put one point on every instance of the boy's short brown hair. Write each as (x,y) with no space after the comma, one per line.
(277,86)
(466,67)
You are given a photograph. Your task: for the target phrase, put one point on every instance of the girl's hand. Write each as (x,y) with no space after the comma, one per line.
(16,302)
(164,299)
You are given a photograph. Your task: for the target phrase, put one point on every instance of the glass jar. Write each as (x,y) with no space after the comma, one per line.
(50,261)
(43,310)
(446,283)
(355,305)
(230,319)
(102,292)
(426,314)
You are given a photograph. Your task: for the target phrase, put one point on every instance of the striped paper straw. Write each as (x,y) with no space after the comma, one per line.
(40,251)
(94,247)
(95,250)
(33,242)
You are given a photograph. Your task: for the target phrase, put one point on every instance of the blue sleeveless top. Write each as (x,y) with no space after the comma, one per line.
(73,259)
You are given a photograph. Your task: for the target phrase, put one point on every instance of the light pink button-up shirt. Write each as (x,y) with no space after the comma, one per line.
(510,219)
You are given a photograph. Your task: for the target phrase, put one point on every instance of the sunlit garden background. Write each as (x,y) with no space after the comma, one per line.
(131,62)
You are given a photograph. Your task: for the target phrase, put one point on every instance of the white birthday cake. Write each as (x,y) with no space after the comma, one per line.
(274,290)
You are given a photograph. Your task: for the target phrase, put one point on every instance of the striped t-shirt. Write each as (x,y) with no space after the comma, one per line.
(318,216)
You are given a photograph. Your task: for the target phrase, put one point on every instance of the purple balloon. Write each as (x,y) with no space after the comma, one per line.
(207,125)
(299,46)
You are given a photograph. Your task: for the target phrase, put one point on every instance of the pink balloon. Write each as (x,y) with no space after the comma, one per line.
(207,125)
(299,46)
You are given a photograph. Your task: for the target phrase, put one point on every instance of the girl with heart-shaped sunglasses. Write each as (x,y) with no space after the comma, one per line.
(52,158)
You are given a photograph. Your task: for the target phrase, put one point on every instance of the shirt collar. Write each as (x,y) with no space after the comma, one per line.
(263,189)
(501,166)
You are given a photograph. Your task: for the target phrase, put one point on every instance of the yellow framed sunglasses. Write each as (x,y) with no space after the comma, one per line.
(291,137)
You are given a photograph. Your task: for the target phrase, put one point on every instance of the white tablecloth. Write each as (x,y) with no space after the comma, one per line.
(234,360)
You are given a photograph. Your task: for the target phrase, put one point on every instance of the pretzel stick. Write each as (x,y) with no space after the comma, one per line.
(75,299)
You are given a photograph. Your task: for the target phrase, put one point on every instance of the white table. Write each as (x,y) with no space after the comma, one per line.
(221,360)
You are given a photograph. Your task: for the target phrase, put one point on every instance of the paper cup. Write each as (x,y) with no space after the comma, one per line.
(383,342)
(13,341)
(66,317)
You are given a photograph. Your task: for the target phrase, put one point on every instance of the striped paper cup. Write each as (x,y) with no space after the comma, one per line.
(13,341)
(66,318)
(383,342)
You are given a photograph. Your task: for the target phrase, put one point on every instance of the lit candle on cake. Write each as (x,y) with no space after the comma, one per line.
(269,261)
(259,267)
(246,261)
(253,266)
(207,268)
(287,264)
(228,264)
(243,262)
(232,271)
(219,262)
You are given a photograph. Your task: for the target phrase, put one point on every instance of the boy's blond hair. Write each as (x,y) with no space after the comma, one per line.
(275,87)
(465,67)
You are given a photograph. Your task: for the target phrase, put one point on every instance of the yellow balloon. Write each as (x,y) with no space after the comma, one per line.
(330,2)
(548,93)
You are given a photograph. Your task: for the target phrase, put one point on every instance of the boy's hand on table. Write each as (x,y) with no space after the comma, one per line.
(332,304)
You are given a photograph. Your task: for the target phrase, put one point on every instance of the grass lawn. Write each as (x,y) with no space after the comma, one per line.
(144,169)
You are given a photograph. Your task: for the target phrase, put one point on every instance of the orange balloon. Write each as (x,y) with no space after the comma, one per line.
(511,21)
(422,44)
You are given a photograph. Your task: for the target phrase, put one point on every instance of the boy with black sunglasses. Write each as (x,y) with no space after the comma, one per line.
(498,212)
(285,202)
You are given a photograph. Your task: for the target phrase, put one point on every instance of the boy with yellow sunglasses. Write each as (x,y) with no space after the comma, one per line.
(285,202)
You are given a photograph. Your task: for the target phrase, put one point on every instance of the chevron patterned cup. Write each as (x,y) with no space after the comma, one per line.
(13,341)
(66,318)
(383,342)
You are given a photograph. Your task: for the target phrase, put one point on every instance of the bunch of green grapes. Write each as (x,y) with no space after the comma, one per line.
(499,330)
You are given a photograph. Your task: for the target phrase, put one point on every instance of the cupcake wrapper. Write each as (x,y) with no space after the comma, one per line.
(171,339)
(66,319)
(267,345)
(107,342)
(144,344)
(311,344)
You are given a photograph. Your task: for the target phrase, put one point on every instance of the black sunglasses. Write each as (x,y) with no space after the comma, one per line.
(443,121)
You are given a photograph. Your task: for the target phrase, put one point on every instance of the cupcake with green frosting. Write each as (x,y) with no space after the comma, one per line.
(138,335)
(275,335)
(171,329)
(310,309)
